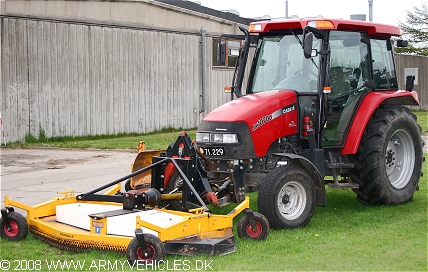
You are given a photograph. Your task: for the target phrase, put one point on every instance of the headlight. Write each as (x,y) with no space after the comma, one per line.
(202,137)
(216,138)
(225,138)
(230,138)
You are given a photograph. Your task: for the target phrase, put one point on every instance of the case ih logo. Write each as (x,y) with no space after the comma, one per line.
(275,114)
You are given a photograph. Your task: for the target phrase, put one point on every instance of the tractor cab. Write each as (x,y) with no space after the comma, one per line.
(329,74)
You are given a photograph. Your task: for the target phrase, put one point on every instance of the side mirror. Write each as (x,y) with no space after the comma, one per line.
(410,83)
(402,43)
(307,45)
(222,52)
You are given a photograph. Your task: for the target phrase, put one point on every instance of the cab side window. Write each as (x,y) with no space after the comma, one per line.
(384,74)
(348,62)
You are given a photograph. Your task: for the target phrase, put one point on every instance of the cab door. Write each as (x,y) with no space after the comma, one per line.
(348,74)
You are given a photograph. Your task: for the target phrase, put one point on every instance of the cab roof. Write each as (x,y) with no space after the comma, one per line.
(373,29)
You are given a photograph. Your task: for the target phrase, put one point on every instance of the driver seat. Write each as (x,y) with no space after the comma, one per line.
(340,79)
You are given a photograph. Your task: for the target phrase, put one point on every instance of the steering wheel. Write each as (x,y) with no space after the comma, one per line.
(302,71)
(351,92)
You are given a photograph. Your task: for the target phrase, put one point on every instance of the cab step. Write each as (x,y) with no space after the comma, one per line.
(343,185)
(339,165)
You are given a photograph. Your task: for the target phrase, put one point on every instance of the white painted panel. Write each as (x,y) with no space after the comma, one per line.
(125,224)
(77,214)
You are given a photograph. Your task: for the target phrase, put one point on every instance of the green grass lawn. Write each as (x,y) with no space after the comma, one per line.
(157,141)
(343,235)
(422,117)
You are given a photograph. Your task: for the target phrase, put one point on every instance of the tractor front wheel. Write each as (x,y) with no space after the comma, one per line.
(389,158)
(18,227)
(154,252)
(287,197)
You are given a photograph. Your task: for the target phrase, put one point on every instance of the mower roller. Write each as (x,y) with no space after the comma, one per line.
(139,221)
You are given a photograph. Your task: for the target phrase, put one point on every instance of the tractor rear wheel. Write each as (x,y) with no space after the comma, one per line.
(389,159)
(287,197)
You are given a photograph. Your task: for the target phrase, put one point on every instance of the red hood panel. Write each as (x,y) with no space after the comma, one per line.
(269,116)
(238,110)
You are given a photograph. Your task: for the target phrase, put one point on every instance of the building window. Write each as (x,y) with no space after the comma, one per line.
(225,53)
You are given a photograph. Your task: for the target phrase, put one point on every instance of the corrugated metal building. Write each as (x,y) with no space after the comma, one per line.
(73,68)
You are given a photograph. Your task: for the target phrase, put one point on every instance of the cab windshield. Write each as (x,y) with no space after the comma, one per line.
(281,65)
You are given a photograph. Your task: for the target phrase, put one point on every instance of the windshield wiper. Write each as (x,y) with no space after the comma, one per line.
(301,44)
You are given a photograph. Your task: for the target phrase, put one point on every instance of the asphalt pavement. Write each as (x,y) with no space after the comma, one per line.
(32,176)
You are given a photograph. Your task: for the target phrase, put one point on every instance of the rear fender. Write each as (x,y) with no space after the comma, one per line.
(369,104)
(312,171)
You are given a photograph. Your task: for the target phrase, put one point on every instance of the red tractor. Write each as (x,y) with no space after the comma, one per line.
(322,106)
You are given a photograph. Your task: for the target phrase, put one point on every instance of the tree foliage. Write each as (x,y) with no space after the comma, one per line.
(415,30)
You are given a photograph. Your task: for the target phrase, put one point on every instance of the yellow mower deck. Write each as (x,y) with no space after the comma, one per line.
(195,224)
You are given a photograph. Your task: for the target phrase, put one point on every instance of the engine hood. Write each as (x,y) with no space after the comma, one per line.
(268,116)
(254,105)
